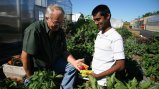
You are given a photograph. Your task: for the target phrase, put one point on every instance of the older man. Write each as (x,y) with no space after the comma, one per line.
(44,47)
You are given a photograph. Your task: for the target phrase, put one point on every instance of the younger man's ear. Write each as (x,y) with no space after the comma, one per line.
(108,16)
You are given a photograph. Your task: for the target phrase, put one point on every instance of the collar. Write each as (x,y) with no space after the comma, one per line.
(110,31)
(46,26)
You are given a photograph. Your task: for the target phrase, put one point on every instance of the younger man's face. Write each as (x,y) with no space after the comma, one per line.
(100,21)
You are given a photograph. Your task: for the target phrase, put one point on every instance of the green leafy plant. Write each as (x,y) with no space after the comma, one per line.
(90,84)
(42,80)
(114,83)
(81,41)
(10,84)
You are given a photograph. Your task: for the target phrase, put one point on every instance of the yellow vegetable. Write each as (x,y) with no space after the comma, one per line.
(85,73)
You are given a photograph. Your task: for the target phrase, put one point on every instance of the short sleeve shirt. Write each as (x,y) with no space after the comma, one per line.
(43,49)
(108,49)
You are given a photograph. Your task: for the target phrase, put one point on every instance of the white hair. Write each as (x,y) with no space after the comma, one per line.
(49,11)
(51,8)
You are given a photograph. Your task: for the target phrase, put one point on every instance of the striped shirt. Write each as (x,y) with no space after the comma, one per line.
(108,49)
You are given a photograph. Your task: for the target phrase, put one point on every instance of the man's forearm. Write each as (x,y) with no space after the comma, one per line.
(26,64)
(70,59)
(26,68)
(119,65)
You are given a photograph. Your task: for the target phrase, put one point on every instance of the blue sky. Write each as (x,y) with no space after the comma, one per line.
(125,10)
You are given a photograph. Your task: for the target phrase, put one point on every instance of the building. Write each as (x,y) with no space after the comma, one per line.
(150,23)
(116,23)
(75,17)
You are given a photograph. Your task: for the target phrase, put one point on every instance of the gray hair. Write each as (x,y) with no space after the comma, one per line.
(51,8)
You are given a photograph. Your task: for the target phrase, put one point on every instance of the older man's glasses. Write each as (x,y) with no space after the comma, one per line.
(55,22)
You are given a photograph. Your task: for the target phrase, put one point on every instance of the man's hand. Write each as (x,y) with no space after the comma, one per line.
(83,66)
(77,63)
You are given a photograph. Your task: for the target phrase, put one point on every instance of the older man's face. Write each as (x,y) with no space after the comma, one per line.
(55,20)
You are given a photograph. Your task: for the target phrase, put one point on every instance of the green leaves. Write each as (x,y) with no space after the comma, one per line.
(81,42)
(42,80)
(114,83)
(145,84)
(10,84)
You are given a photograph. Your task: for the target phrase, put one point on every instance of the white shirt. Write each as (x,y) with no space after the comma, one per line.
(108,49)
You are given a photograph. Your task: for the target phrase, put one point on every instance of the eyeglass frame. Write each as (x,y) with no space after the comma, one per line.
(56,22)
